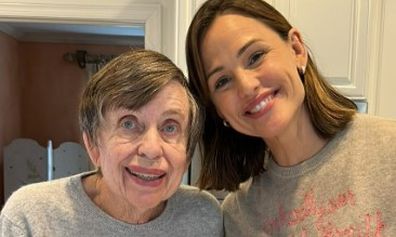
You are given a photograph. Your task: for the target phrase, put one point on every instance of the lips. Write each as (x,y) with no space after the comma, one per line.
(260,104)
(146,175)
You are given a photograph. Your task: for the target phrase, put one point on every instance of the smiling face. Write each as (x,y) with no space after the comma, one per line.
(142,154)
(252,75)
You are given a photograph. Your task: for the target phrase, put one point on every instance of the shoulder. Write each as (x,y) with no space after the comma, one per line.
(190,199)
(37,197)
(198,210)
(369,136)
(236,207)
(28,204)
(235,199)
(372,130)
(190,194)
(194,211)
(374,124)
(37,190)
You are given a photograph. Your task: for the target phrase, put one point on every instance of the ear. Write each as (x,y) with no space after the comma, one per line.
(92,150)
(298,47)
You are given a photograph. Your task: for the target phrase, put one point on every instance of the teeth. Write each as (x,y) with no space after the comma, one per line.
(146,177)
(261,105)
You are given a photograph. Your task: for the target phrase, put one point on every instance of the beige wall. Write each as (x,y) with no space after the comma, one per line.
(40,92)
(51,90)
(9,96)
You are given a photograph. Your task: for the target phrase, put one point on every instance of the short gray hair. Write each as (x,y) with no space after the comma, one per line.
(130,81)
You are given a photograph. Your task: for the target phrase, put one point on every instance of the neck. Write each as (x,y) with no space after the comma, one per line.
(115,206)
(298,143)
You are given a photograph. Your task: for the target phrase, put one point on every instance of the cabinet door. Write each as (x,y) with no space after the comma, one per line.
(336,32)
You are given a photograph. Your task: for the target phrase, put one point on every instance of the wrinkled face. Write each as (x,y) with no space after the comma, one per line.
(142,154)
(252,75)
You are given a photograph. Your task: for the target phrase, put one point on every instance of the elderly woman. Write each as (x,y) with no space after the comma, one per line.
(140,125)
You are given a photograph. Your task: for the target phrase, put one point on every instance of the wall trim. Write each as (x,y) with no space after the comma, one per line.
(147,14)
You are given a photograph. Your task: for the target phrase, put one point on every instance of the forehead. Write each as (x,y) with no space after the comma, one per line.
(229,33)
(171,99)
(240,26)
(172,96)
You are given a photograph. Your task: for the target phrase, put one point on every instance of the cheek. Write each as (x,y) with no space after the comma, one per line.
(226,104)
(177,157)
(116,153)
(181,161)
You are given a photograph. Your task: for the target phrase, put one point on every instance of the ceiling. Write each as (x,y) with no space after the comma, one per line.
(75,33)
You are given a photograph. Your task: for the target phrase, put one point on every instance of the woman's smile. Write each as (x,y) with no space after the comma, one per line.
(146,177)
(261,105)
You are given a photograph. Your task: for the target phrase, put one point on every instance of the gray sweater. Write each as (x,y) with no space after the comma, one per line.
(347,189)
(62,208)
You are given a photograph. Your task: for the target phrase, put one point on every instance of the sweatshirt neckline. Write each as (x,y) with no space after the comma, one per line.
(310,164)
(92,209)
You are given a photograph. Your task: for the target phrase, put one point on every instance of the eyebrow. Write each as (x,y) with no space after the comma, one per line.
(216,70)
(243,49)
(171,112)
(177,112)
(239,53)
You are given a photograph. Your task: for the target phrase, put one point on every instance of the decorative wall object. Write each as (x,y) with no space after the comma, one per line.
(26,162)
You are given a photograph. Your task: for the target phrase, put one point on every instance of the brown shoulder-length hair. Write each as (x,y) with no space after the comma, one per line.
(227,156)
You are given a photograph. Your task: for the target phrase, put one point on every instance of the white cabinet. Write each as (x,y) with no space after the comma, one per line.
(336,31)
(352,42)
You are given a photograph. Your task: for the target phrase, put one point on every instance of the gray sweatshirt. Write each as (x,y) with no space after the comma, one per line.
(62,208)
(347,189)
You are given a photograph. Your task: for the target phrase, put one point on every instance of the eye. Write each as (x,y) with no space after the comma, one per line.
(255,58)
(128,123)
(171,128)
(222,82)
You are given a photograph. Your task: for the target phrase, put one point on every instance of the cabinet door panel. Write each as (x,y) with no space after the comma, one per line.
(336,32)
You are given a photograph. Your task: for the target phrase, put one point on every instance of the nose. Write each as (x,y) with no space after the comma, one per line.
(247,84)
(150,146)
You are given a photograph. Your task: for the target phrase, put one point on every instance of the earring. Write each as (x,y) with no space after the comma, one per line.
(301,73)
(225,123)
(303,70)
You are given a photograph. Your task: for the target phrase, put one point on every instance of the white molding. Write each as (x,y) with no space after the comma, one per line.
(376,33)
(148,14)
(350,85)
(74,38)
(186,11)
